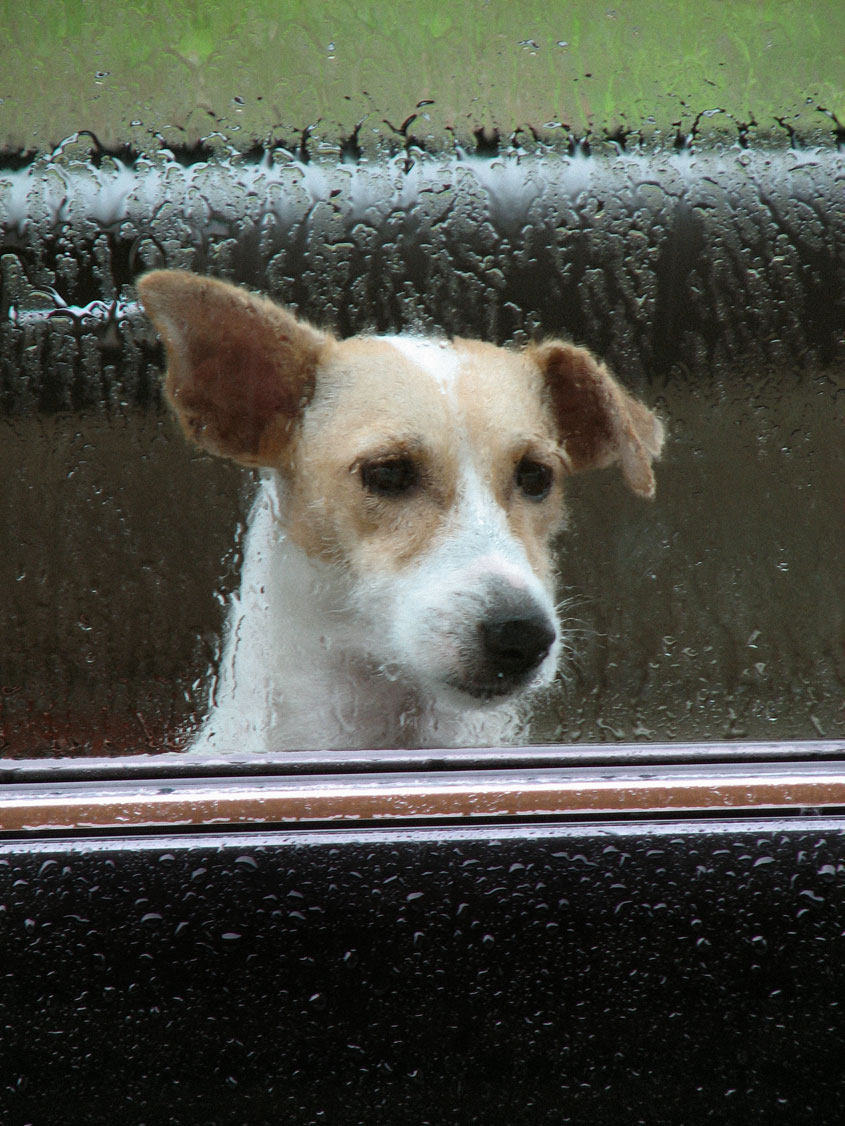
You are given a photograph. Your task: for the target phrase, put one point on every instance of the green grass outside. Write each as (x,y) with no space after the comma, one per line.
(147,71)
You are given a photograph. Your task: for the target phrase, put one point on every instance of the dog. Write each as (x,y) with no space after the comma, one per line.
(397,587)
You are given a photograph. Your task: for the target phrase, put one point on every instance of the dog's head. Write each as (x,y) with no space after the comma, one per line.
(429,472)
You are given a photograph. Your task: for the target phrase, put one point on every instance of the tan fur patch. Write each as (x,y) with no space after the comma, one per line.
(500,396)
(371,402)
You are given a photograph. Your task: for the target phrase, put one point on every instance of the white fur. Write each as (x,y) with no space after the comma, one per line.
(437,358)
(310,663)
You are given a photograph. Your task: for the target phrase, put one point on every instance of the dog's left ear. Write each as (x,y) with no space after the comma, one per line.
(600,424)
(240,369)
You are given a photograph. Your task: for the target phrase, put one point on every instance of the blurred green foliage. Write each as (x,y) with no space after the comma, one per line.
(143,71)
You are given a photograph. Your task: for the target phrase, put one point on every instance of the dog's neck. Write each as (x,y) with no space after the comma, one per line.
(296,659)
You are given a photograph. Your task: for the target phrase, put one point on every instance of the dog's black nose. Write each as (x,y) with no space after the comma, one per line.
(514,646)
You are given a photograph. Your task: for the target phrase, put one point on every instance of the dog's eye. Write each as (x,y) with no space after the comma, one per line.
(391,477)
(534,479)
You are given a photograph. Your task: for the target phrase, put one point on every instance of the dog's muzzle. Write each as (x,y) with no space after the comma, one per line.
(516,646)
(512,641)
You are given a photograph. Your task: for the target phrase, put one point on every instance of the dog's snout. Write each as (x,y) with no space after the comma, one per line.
(516,645)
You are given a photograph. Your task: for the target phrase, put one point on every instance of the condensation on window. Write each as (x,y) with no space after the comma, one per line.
(711,281)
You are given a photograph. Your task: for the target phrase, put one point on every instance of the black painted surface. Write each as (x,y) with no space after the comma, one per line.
(630,974)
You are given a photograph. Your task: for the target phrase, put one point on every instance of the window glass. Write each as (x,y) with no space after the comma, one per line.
(487,171)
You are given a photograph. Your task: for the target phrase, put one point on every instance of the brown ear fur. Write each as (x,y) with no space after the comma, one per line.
(600,423)
(240,368)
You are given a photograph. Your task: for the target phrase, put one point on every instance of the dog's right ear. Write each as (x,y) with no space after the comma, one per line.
(240,369)
(600,423)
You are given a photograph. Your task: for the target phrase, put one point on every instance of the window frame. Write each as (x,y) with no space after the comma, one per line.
(526,785)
